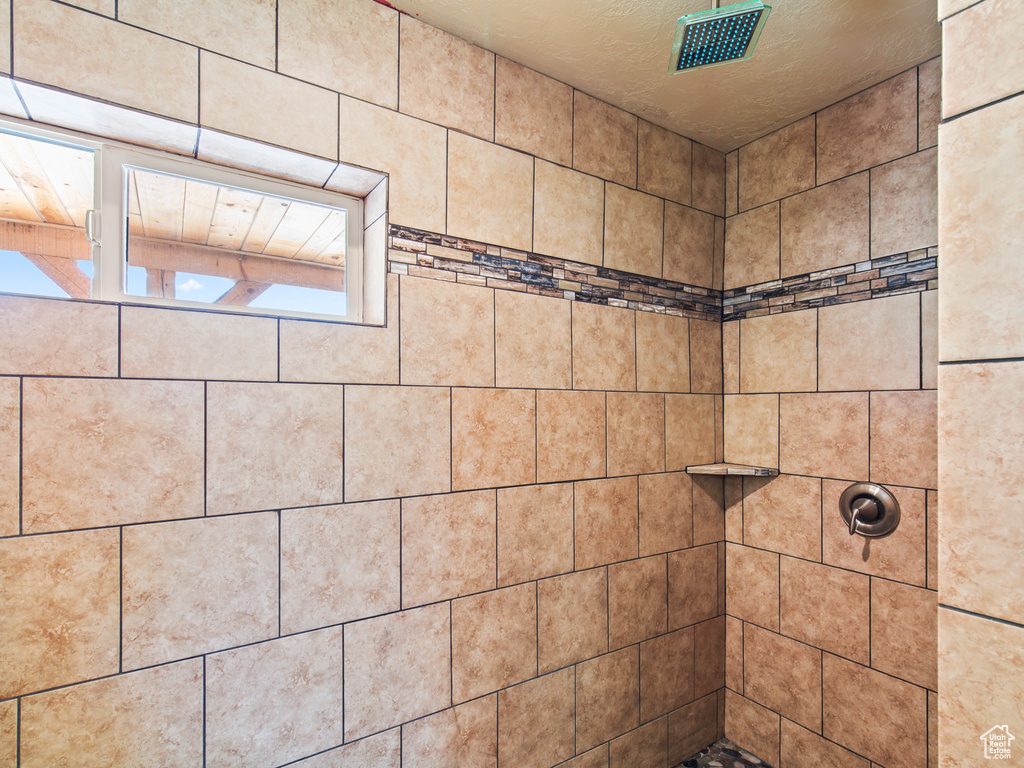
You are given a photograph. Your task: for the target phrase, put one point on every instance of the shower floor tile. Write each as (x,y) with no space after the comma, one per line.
(723,754)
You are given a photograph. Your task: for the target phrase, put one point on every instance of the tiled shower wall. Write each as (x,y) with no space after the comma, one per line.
(981,382)
(830,376)
(463,539)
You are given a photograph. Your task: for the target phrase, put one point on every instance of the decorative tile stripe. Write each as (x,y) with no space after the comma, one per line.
(887,276)
(441,257)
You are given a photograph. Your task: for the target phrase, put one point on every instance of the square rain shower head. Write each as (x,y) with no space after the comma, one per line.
(717,36)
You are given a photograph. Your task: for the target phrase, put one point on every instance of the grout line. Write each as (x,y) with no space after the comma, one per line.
(204,708)
(279,556)
(977,615)
(120,600)
(21,455)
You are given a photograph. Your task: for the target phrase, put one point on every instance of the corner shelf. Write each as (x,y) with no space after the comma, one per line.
(747,470)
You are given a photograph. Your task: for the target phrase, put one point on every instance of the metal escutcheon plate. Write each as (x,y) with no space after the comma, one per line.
(889,509)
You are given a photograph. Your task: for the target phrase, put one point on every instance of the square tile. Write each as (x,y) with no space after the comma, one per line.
(494,437)
(532,341)
(534,532)
(603,347)
(803,747)
(606,528)
(708,509)
(779,353)
(445,79)
(752,585)
(904,204)
(929,102)
(782,675)
(338,564)
(571,435)
(663,163)
(709,656)
(753,726)
(689,245)
(751,427)
(689,431)
(825,227)
(607,697)
(838,619)
(43,337)
(824,434)
(633,224)
(195,586)
(533,112)
(777,165)
(568,214)
(662,353)
(103,452)
(466,735)
(399,442)
(295,445)
(637,601)
(572,618)
(692,586)
(706,356)
(691,728)
(904,633)
(448,546)
(869,128)
(646,747)
(904,437)
(397,669)
(604,140)
(666,516)
(800,497)
(538,718)
(708,179)
(490,192)
(494,640)
(752,247)
(636,433)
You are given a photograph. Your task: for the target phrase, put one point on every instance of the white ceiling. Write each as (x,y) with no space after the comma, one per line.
(812,53)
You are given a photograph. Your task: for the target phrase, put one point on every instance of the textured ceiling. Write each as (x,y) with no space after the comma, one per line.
(811,54)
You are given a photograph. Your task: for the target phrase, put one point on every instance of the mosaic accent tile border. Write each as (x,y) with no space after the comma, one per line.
(887,276)
(723,754)
(442,257)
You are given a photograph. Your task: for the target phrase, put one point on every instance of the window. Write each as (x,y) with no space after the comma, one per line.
(96,220)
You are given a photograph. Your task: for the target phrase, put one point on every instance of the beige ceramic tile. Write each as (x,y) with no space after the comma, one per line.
(412,152)
(568,214)
(494,438)
(708,179)
(801,747)
(777,165)
(604,140)
(981,662)
(706,356)
(752,247)
(637,601)
(708,509)
(340,352)
(537,726)
(904,447)
(294,439)
(838,619)
(571,435)
(97,53)
(752,429)
(948,7)
(983,57)
(42,337)
(448,546)
(752,586)
(99,452)
(9,732)
(10,457)
(636,433)
(929,102)
(533,341)
(800,497)
(338,563)
(595,758)
(731,358)
(196,586)
(734,654)
(534,532)
(633,231)
(689,431)
(351,47)
(399,442)
(645,747)
(466,735)
(603,347)
(490,192)
(869,128)
(709,656)
(753,726)
(106,7)
(892,728)
(904,202)
(174,344)
(981,196)
(732,503)
(782,675)
(887,330)
(382,750)
(397,668)
(447,333)
(662,353)
(778,353)
(663,163)
(689,245)
(203,23)
(933,729)
(446,80)
(148,719)
(494,640)
(824,434)
(60,607)
(932,538)
(665,512)
(692,728)
(606,529)
(732,172)
(903,632)
(899,556)
(607,697)
(692,586)
(826,227)
(930,339)
(719,265)
(572,618)
(533,113)
(252,102)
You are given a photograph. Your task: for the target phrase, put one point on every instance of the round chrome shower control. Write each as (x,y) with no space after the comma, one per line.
(870,510)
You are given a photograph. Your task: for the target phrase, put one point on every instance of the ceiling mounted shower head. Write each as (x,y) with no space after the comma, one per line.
(717,36)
